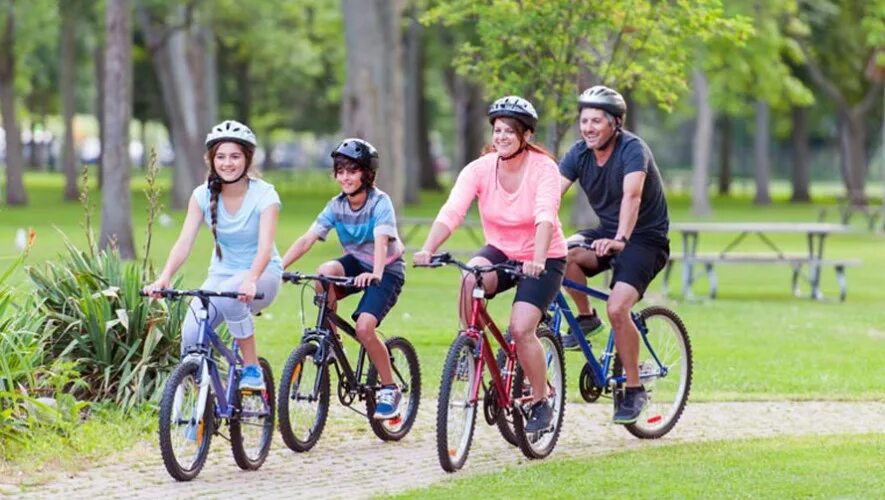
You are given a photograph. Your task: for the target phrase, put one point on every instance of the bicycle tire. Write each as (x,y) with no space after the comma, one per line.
(540,444)
(175,432)
(667,395)
(296,396)
(396,429)
(458,376)
(242,428)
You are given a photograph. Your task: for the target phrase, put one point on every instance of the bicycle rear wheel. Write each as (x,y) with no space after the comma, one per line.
(541,444)
(456,409)
(251,429)
(668,382)
(407,375)
(185,433)
(303,398)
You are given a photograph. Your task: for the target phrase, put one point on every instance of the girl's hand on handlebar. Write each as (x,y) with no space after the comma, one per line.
(421,258)
(247,291)
(366,279)
(532,269)
(153,289)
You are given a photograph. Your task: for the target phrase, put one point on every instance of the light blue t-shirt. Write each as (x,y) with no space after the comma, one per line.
(238,233)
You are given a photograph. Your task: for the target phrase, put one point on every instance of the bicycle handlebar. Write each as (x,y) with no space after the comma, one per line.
(171,293)
(513,268)
(345,281)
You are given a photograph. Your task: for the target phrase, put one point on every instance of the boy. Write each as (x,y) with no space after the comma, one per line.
(363,217)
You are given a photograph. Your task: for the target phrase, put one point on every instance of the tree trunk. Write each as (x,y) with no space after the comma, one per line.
(99,107)
(470,121)
(852,135)
(420,170)
(116,197)
(15,162)
(180,83)
(702,146)
(761,142)
(372,104)
(801,171)
(725,156)
(631,122)
(67,84)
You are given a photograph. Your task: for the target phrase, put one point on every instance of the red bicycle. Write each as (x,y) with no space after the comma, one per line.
(507,396)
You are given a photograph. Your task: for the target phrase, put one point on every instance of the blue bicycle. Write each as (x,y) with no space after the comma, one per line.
(665,362)
(190,415)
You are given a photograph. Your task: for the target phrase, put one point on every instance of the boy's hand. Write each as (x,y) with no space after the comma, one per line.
(366,279)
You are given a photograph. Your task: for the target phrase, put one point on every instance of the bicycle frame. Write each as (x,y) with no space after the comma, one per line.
(503,385)
(560,308)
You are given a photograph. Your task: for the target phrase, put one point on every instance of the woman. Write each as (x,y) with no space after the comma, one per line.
(517,184)
(242,213)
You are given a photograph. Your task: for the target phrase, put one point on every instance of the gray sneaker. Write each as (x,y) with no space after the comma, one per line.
(590,325)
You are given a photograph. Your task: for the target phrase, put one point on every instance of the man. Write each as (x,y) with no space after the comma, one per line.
(617,171)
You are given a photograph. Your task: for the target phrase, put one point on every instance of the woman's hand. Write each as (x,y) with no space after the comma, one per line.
(247,290)
(154,288)
(366,279)
(533,269)
(421,258)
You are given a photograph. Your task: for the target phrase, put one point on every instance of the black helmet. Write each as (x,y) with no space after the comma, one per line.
(514,107)
(231,130)
(358,150)
(602,97)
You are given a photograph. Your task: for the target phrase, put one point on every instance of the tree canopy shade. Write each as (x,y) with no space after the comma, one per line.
(539,49)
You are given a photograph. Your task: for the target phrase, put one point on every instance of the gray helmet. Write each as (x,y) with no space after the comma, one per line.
(231,130)
(358,150)
(514,107)
(602,97)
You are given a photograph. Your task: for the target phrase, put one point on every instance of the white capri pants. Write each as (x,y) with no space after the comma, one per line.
(238,315)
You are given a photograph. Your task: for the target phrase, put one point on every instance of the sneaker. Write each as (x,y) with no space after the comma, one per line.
(251,379)
(387,402)
(540,417)
(635,400)
(190,432)
(590,325)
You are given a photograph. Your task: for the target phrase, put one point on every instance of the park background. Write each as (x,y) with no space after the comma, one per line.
(754,112)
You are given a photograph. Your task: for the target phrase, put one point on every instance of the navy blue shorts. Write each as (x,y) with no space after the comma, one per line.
(377,299)
(637,264)
(539,291)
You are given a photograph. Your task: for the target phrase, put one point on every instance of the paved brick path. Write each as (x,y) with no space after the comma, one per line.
(346,461)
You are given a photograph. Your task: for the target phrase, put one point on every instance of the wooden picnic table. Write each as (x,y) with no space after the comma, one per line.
(409,227)
(815,234)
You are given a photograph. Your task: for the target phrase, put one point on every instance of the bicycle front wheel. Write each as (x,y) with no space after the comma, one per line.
(303,399)
(540,444)
(456,406)
(251,429)
(185,430)
(406,375)
(665,369)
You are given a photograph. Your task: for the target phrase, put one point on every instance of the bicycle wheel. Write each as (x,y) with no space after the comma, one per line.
(407,375)
(303,398)
(667,391)
(504,422)
(185,433)
(541,444)
(251,428)
(455,411)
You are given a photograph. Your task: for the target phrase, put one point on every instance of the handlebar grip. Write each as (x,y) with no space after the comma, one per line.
(259,296)
(142,294)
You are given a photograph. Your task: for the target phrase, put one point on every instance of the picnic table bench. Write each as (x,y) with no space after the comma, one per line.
(409,227)
(846,210)
(806,265)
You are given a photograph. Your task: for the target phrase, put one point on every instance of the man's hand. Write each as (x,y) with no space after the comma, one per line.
(607,246)
(366,279)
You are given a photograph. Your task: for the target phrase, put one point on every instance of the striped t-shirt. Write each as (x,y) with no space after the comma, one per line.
(357,229)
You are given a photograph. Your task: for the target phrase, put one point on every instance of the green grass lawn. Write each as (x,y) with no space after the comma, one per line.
(755,342)
(807,467)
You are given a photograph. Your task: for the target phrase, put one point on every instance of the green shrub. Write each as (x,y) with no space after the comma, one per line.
(124,344)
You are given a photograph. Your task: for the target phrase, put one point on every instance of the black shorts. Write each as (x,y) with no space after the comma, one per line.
(637,265)
(377,299)
(539,291)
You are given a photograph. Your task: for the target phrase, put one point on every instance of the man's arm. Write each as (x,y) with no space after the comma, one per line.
(633,183)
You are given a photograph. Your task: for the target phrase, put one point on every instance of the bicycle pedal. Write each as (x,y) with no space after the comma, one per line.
(251,392)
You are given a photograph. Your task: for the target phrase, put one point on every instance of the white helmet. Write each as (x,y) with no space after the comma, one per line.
(231,130)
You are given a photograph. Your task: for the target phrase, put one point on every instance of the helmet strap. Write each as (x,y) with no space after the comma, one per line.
(610,139)
(514,155)
(238,179)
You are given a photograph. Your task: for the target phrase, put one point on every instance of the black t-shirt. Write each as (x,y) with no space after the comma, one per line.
(605,186)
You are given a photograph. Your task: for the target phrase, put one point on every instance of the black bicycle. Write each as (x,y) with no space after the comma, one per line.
(303,398)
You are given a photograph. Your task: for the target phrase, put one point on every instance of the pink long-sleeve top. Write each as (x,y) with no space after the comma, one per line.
(509,219)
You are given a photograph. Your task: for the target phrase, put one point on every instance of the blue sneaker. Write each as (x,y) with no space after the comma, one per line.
(190,432)
(590,325)
(251,379)
(628,411)
(540,417)
(387,403)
